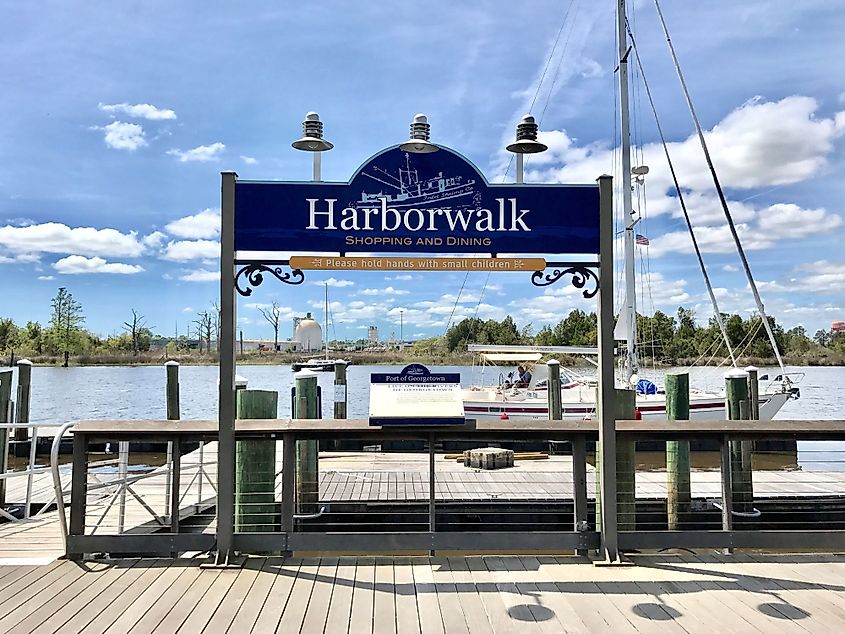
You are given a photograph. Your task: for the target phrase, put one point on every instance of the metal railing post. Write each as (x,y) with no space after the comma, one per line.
(727,485)
(122,475)
(78,490)
(579,487)
(33,443)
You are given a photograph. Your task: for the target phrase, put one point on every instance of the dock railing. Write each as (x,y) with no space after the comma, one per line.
(359,504)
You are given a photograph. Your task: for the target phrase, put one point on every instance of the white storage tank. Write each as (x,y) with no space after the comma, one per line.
(309,335)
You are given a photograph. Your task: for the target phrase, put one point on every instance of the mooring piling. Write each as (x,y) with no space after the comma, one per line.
(23,399)
(255,466)
(6,411)
(678,495)
(307,451)
(737,407)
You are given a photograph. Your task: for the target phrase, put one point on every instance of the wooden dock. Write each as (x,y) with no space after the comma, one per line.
(668,593)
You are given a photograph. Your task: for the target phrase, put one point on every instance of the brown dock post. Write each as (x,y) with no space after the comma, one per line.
(255,466)
(5,417)
(173,413)
(23,399)
(307,451)
(678,496)
(737,408)
(626,466)
(340,394)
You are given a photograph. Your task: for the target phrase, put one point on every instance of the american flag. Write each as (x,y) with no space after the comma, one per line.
(641,239)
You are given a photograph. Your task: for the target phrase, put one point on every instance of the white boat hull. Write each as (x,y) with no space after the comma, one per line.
(491,404)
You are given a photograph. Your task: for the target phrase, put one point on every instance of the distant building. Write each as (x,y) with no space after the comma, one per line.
(372,334)
(308,334)
(837,326)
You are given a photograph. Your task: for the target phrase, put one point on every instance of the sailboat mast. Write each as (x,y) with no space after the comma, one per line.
(629,310)
(326,337)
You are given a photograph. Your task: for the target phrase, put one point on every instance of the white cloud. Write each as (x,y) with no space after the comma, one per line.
(187,309)
(730,268)
(202,153)
(203,224)
(184,250)
(201,275)
(124,136)
(249,160)
(402,277)
(335,283)
(154,240)
(78,264)
(46,277)
(54,237)
(139,111)
(382,291)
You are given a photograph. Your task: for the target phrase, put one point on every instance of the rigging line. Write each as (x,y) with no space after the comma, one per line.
(455,305)
(559,61)
(683,204)
(719,191)
(542,77)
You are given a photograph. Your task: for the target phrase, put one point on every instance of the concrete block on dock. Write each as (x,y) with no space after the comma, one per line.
(488,458)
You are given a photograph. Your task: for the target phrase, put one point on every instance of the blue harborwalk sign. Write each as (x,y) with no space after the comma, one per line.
(399,202)
(416,396)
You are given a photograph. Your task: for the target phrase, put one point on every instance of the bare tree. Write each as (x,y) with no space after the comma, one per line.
(273,315)
(134,329)
(205,328)
(216,318)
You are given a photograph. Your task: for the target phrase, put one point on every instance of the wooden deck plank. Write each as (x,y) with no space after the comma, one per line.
(430,617)
(405,595)
(549,596)
(494,606)
(341,601)
(317,612)
(234,598)
(300,595)
(187,602)
(151,596)
(152,610)
(108,607)
(471,604)
(277,597)
(544,615)
(447,596)
(18,606)
(499,569)
(639,608)
(384,600)
(363,596)
(30,576)
(255,598)
(203,610)
(59,607)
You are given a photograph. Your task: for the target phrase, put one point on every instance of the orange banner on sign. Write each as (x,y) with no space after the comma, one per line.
(331,263)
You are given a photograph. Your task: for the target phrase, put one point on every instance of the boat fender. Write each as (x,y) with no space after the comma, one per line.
(504,416)
(638,415)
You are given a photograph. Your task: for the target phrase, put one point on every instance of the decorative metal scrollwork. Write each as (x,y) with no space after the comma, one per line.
(581,275)
(254,275)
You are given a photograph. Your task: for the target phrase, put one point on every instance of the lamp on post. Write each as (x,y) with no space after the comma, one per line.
(420,133)
(313,141)
(526,143)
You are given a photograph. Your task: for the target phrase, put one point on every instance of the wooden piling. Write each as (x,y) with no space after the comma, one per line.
(753,392)
(626,466)
(340,389)
(307,451)
(172,390)
(678,497)
(23,399)
(5,417)
(553,381)
(255,466)
(737,407)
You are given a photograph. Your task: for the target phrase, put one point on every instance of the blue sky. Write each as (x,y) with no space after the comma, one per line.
(119,117)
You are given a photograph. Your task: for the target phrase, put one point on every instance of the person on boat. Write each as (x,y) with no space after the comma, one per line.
(524,377)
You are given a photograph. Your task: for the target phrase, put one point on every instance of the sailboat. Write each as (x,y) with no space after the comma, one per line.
(508,400)
(318,364)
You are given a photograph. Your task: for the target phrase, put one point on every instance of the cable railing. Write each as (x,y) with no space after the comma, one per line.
(294,491)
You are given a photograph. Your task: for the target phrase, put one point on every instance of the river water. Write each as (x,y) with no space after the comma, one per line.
(119,393)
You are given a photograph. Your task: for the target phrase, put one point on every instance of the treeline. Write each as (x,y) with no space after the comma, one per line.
(662,338)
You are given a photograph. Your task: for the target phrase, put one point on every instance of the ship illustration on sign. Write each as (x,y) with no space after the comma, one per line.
(410,191)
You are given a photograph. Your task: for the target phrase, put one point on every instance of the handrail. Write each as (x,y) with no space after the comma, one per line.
(57,480)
